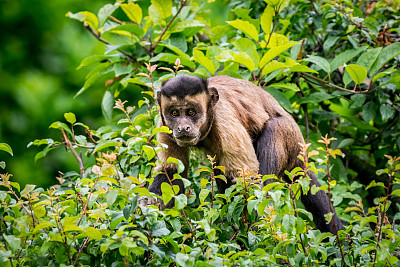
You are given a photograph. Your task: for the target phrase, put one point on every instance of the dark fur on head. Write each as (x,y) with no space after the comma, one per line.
(184,85)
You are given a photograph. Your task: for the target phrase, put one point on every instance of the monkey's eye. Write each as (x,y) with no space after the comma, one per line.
(174,113)
(191,112)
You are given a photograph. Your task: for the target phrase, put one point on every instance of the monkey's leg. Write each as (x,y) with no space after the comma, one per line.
(167,170)
(318,205)
(221,184)
(155,187)
(277,149)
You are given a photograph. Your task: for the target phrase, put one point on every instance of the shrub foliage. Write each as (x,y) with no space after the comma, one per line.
(332,64)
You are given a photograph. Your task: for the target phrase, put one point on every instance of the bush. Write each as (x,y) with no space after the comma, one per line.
(340,80)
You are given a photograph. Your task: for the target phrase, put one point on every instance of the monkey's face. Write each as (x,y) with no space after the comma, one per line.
(187,118)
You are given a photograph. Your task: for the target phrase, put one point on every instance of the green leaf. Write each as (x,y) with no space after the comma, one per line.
(247,46)
(344,57)
(385,55)
(330,42)
(359,100)
(104,12)
(155,15)
(274,52)
(369,111)
(5,147)
(273,66)
(164,7)
(289,86)
(111,196)
(41,226)
(107,105)
(40,211)
(121,69)
(320,62)
(188,27)
(86,16)
(203,194)
(266,19)
(13,242)
(28,188)
(180,201)
(16,186)
(387,111)
(149,151)
(133,29)
(92,233)
(61,255)
(281,98)
(396,193)
(184,260)
(2,164)
(300,225)
(90,61)
(374,184)
(302,68)
(162,129)
(246,27)
(168,191)
(328,217)
(315,98)
(345,142)
(357,73)
(244,59)
(204,61)
(70,117)
(61,125)
(252,204)
(133,11)
(179,164)
(105,144)
(359,124)
(367,59)
(288,222)
(159,229)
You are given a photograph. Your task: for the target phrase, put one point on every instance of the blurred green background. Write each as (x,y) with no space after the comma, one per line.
(39,52)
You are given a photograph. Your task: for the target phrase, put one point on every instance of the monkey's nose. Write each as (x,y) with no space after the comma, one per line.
(186,128)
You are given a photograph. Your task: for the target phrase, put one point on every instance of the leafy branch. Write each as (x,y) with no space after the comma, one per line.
(183,3)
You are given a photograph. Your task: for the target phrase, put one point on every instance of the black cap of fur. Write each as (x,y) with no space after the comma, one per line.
(184,85)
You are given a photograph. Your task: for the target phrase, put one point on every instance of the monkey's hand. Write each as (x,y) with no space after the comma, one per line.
(146,201)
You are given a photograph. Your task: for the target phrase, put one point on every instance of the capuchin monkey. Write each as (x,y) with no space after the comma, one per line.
(241,125)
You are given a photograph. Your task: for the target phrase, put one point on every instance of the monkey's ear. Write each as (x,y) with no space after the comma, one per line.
(214,94)
(159,98)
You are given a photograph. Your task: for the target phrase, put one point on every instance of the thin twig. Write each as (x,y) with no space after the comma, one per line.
(87,202)
(76,155)
(328,84)
(106,42)
(168,25)
(80,249)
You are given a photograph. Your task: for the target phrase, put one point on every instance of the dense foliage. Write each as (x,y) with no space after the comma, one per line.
(332,65)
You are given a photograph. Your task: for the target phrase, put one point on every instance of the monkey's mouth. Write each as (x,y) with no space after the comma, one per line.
(186,140)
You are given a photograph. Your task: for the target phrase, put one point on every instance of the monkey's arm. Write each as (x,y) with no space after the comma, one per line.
(167,170)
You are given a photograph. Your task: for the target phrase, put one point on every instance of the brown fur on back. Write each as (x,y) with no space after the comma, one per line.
(251,104)
(240,116)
